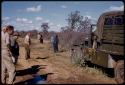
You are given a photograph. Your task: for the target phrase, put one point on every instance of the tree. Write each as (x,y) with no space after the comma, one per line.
(65,29)
(85,25)
(45,28)
(62,29)
(73,20)
(77,23)
(78,29)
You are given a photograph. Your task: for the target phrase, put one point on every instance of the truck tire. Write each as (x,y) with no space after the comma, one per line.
(119,72)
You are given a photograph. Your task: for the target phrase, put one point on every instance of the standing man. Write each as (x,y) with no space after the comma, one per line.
(41,39)
(38,36)
(54,41)
(27,44)
(7,62)
(94,42)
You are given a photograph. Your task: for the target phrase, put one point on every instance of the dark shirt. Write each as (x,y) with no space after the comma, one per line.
(55,39)
(14,47)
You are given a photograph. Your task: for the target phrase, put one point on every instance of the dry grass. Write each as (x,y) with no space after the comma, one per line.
(95,71)
(60,64)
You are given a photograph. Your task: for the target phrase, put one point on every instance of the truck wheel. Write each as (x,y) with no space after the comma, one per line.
(119,72)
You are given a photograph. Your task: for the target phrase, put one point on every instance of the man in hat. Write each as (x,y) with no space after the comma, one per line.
(7,63)
(27,43)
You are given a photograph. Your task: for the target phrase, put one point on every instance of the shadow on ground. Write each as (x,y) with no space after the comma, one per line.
(33,70)
(37,79)
(42,58)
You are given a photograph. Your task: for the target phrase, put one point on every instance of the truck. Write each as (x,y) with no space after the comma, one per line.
(105,46)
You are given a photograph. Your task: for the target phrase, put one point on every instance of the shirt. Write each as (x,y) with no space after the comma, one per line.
(27,40)
(52,39)
(38,36)
(5,40)
(12,40)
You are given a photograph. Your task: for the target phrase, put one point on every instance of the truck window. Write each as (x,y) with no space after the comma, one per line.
(119,20)
(108,21)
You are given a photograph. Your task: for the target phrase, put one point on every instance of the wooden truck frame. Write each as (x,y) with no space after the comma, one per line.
(108,39)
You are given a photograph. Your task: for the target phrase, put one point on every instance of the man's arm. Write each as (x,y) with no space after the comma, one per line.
(7,39)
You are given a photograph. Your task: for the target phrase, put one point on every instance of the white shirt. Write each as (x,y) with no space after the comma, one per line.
(5,40)
(52,39)
(38,36)
(27,39)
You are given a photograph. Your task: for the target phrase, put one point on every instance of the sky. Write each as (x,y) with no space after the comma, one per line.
(29,15)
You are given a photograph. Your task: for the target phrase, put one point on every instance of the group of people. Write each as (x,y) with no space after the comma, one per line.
(10,51)
(54,41)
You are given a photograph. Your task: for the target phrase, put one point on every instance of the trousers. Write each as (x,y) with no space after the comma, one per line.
(27,51)
(7,64)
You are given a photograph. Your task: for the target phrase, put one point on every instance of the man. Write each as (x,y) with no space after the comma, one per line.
(40,38)
(14,47)
(27,42)
(7,63)
(94,42)
(3,31)
(54,41)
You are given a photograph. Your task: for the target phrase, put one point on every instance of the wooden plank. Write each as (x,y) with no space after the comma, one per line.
(113,40)
(118,42)
(113,31)
(107,47)
(119,49)
(105,36)
(120,27)
(111,52)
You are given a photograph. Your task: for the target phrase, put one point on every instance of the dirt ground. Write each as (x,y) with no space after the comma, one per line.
(56,67)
